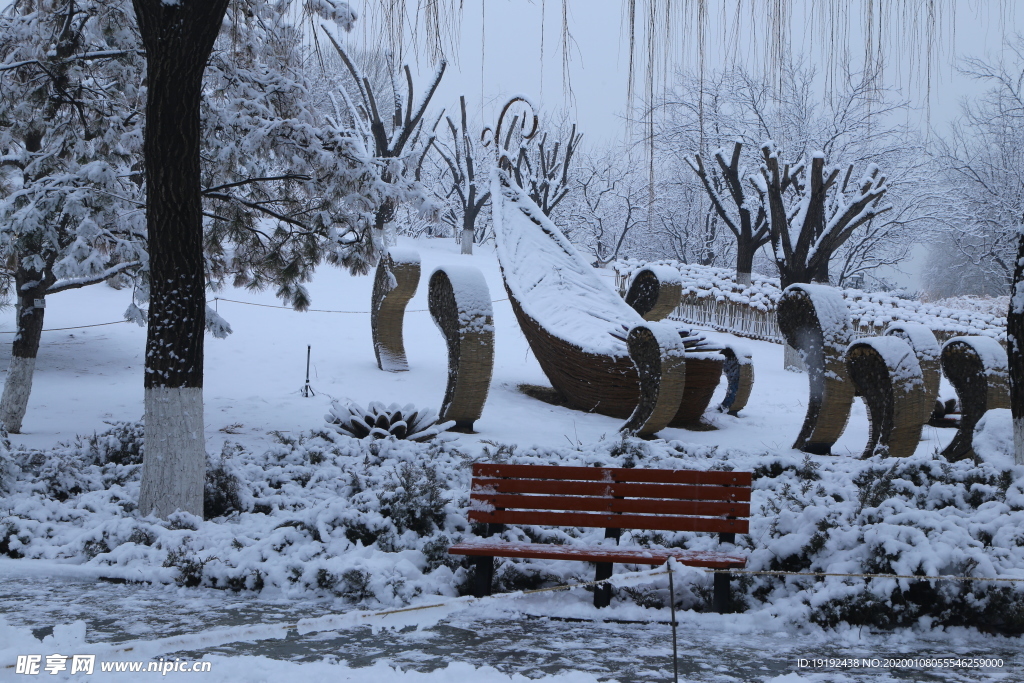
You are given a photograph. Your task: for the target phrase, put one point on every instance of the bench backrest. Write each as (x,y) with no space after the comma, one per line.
(662,500)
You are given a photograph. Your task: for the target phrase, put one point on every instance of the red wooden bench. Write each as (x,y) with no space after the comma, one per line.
(616,499)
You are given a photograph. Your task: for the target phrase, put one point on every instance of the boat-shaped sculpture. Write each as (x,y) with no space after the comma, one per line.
(578,327)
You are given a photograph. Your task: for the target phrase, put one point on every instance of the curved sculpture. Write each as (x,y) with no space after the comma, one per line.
(704,363)
(739,373)
(888,376)
(659,357)
(977,369)
(927,350)
(815,320)
(460,303)
(655,291)
(576,325)
(395,282)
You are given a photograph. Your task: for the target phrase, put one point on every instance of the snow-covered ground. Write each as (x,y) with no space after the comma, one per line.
(254,377)
(253,384)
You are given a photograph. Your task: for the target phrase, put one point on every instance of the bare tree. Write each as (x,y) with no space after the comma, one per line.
(397,141)
(609,204)
(747,220)
(812,214)
(544,166)
(985,155)
(726,114)
(462,160)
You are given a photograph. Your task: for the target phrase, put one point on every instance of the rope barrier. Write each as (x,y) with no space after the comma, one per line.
(322,310)
(244,303)
(947,577)
(216,637)
(76,327)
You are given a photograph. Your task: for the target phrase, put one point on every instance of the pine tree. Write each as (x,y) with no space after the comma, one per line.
(70,77)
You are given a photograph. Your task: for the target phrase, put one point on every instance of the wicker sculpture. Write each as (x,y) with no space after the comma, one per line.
(887,375)
(977,369)
(398,275)
(460,304)
(586,342)
(927,350)
(815,320)
(739,373)
(655,292)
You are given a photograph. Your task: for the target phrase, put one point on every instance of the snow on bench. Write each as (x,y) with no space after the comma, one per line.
(613,499)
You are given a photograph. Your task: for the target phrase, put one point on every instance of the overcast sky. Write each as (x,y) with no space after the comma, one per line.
(500,53)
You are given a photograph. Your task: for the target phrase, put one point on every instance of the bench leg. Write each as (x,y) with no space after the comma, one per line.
(603,593)
(722,596)
(484,576)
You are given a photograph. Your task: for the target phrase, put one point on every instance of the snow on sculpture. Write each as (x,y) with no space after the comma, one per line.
(739,375)
(578,327)
(655,291)
(378,421)
(926,348)
(460,304)
(396,280)
(977,369)
(815,321)
(887,375)
(580,330)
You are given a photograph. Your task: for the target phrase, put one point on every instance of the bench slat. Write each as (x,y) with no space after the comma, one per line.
(611,489)
(541,551)
(591,504)
(616,521)
(627,475)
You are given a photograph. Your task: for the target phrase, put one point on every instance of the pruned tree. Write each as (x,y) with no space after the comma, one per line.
(812,213)
(543,166)
(397,141)
(746,220)
(716,124)
(462,159)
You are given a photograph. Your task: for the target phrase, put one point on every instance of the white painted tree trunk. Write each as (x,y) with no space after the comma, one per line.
(17,388)
(467,241)
(743,279)
(1018,440)
(791,359)
(174,466)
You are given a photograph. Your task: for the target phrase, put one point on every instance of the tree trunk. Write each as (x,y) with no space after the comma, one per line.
(1015,348)
(744,262)
(31,288)
(468,224)
(178,38)
(820,273)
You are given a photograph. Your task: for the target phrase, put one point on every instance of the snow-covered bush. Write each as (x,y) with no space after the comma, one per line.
(8,470)
(370,521)
(867,309)
(379,422)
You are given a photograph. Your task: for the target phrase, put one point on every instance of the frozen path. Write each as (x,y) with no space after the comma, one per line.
(528,642)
